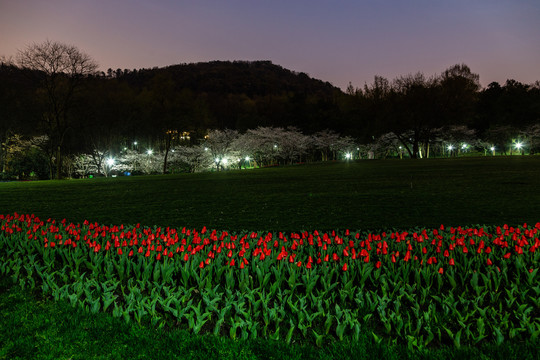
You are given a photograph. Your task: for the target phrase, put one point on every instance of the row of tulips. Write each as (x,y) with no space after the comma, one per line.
(421,287)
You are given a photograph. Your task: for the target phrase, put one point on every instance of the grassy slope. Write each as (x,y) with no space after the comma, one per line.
(361,195)
(366,195)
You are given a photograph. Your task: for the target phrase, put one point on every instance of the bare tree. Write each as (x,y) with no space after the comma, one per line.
(59,69)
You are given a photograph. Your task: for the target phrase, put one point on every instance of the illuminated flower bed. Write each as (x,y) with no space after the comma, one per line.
(421,286)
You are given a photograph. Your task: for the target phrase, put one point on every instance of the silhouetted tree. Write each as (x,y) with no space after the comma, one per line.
(59,70)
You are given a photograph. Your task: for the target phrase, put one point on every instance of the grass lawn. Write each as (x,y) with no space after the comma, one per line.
(366,195)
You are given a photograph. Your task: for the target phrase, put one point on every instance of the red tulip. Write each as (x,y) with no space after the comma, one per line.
(451,262)
(441,270)
(489,262)
(344,267)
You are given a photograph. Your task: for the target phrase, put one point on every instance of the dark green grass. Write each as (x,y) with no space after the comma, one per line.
(33,328)
(363,195)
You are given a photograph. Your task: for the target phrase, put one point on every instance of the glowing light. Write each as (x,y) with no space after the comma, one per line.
(149,151)
(217,160)
(275,146)
(348,156)
(247,158)
(519,145)
(110,161)
(464,146)
(450,147)
(135,143)
(492,148)
(205,149)
(224,161)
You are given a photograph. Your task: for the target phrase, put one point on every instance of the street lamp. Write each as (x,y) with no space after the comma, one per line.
(149,151)
(519,147)
(110,161)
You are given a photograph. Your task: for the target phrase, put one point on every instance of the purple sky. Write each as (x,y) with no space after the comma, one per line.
(336,41)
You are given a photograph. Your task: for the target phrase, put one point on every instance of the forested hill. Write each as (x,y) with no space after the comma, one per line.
(219,94)
(116,107)
(251,78)
(143,103)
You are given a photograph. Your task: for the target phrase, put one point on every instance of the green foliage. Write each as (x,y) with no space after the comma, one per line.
(425,302)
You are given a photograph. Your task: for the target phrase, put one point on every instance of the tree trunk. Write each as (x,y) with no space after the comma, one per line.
(58,162)
(167,147)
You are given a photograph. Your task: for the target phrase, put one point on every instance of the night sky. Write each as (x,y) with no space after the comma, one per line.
(335,41)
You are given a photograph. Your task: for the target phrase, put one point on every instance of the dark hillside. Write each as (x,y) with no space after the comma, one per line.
(252,78)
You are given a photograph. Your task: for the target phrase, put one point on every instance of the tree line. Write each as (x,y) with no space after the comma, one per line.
(53,99)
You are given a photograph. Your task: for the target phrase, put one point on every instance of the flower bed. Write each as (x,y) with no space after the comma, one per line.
(421,286)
